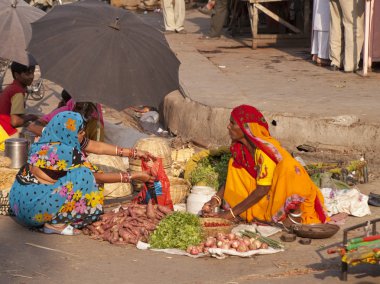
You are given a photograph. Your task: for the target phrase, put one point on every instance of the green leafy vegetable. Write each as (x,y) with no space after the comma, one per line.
(177,230)
(211,171)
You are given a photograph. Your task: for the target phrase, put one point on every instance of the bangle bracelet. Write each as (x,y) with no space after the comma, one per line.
(121,177)
(218,199)
(127,177)
(232,213)
(132,153)
(296,215)
(116,150)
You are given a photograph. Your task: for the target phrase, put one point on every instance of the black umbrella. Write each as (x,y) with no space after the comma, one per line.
(104,54)
(15,29)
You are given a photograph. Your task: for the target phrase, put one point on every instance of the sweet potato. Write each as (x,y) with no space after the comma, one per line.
(164,209)
(150,210)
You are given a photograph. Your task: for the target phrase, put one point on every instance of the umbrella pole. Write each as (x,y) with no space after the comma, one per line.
(366,36)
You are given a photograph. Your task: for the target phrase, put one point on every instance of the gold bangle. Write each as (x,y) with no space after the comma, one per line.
(232,213)
(116,151)
(121,177)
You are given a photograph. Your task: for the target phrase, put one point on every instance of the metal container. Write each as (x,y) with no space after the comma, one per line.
(17,150)
(30,136)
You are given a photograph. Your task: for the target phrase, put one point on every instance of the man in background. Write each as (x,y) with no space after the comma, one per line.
(12,102)
(346,34)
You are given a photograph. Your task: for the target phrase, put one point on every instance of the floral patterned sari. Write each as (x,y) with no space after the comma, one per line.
(74,198)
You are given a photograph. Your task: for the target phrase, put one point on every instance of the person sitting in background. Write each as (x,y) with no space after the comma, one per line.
(58,189)
(12,103)
(91,112)
(264,182)
(320,34)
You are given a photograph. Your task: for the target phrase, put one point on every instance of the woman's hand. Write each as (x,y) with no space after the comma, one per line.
(143,177)
(208,207)
(225,215)
(146,156)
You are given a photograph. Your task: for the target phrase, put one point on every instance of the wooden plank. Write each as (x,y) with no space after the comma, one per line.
(306,18)
(277,18)
(255,25)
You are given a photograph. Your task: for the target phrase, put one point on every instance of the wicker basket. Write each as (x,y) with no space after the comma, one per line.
(4,203)
(179,189)
(158,147)
(213,231)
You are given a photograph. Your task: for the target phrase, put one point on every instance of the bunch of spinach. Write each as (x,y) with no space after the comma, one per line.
(177,230)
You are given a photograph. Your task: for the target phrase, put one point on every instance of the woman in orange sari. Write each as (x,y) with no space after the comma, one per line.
(264,182)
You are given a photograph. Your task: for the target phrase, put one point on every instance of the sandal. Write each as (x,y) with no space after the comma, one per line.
(67,231)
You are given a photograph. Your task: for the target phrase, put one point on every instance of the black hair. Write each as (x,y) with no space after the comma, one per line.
(65,96)
(85,109)
(20,68)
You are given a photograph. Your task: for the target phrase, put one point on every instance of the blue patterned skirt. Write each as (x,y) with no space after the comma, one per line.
(74,199)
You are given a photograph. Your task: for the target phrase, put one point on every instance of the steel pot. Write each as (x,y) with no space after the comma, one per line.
(17,150)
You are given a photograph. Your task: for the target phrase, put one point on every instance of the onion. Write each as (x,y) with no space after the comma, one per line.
(220,236)
(189,248)
(264,246)
(226,246)
(231,236)
(205,249)
(210,241)
(194,251)
(219,244)
(247,241)
(242,248)
(257,243)
(235,244)
(252,246)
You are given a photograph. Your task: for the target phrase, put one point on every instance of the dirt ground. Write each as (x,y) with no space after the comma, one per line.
(31,257)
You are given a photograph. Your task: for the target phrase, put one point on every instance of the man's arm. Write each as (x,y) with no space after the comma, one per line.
(18,116)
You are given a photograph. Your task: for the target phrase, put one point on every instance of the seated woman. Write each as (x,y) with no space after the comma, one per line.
(91,112)
(57,188)
(264,182)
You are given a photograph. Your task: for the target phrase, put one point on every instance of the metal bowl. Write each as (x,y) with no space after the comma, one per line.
(315,231)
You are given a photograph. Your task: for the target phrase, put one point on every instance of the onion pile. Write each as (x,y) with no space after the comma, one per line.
(229,241)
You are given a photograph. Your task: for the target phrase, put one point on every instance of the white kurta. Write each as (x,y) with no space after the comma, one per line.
(321,28)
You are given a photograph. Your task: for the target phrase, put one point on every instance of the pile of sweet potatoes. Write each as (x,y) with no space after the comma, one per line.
(128,225)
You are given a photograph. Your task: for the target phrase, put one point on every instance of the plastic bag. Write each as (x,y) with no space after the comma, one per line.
(159,191)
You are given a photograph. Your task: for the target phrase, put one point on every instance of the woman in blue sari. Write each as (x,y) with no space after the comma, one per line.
(58,189)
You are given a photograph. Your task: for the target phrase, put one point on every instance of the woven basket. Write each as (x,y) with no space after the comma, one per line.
(179,189)
(4,203)
(158,147)
(213,231)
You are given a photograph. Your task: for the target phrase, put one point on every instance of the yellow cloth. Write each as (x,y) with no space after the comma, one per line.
(289,182)
(3,136)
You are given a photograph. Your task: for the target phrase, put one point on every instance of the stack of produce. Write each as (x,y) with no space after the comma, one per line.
(178,230)
(129,225)
(249,241)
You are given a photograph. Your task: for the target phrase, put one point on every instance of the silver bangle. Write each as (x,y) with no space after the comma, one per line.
(295,215)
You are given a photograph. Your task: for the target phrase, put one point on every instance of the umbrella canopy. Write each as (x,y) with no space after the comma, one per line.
(104,54)
(16,31)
